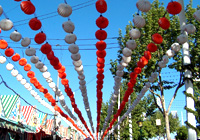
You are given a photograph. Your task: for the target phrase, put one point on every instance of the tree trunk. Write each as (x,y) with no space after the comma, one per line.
(167,126)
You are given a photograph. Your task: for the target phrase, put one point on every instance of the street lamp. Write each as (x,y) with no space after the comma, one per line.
(140,124)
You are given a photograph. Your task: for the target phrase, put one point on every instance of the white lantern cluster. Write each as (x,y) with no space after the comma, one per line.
(65,10)
(126,58)
(143,5)
(139,21)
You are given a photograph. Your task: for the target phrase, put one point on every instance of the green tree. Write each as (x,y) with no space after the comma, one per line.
(182,133)
(170,36)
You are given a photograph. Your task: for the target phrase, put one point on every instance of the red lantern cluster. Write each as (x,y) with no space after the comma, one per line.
(101,22)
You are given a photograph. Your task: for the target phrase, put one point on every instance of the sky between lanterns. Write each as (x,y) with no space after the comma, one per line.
(84,15)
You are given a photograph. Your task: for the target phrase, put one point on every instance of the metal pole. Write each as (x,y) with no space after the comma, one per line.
(192,135)
(118,136)
(72,130)
(54,136)
(130,121)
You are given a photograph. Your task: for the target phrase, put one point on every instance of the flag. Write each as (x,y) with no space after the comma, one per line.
(49,124)
(15,114)
(27,113)
(8,103)
(1,110)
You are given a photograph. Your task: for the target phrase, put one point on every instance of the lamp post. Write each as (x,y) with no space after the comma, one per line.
(140,124)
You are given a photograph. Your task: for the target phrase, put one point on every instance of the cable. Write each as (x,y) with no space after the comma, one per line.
(21,97)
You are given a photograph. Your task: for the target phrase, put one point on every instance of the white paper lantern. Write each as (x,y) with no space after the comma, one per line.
(76,56)
(34,59)
(30,51)
(147,84)
(62,97)
(52,85)
(70,38)
(1,10)
(139,21)
(19,77)
(161,64)
(151,79)
(73,48)
(32,92)
(131,44)
(170,53)
(197,15)
(68,26)
(80,72)
(165,59)
(79,68)
(27,85)
(39,65)
(143,5)
(30,88)
(120,73)
(182,38)
(190,28)
(49,80)
(120,67)
(14,72)
(117,78)
(23,81)
(46,75)
(58,93)
(126,52)
(175,47)
(82,82)
(15,36)
(2,59)
(25,42)
(44,69)
(81,77)
(124,64)
(9,66)
(6,24)
(134,34)
(65,10)
(77,63)
(126,59)
(154,75)
(62,102)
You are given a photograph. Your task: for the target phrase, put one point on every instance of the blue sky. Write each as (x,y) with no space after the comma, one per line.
(119,14)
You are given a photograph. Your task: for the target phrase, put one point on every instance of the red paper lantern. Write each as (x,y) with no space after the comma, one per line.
(45,91)
(100,70)
(57,67)
(46,95)
(9,52)
(174,7)
(33,80)
(133,75)
(130,85)
(101,54)
(157,38)
(18,0)
(35,24)
(54,61)
(27,67)
(27,7)
(100,76)
(147,55)
(100,60)
(31,74)
(41,89)
(101,45)
(99,87)
(64,81)
(102,22)
(133,81)
(100,82)
(152,47)
(140,64)
(137,70)
(164,23)
(100,65)
(3,44)
(16,57)
(50,55)
(101,34)
(22,61)
(143,60)
(46,48)
(101,6)
(40,38)
(62,69)
(62,75)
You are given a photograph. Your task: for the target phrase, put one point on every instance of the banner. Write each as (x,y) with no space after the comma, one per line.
(27,113)
(8,103)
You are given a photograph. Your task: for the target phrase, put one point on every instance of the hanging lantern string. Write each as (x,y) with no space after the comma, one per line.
(21,96)
(56,11)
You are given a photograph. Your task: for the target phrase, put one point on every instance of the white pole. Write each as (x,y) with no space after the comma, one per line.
(188,84)
(182,118)
(118,136)
(130,121)
(72,130)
